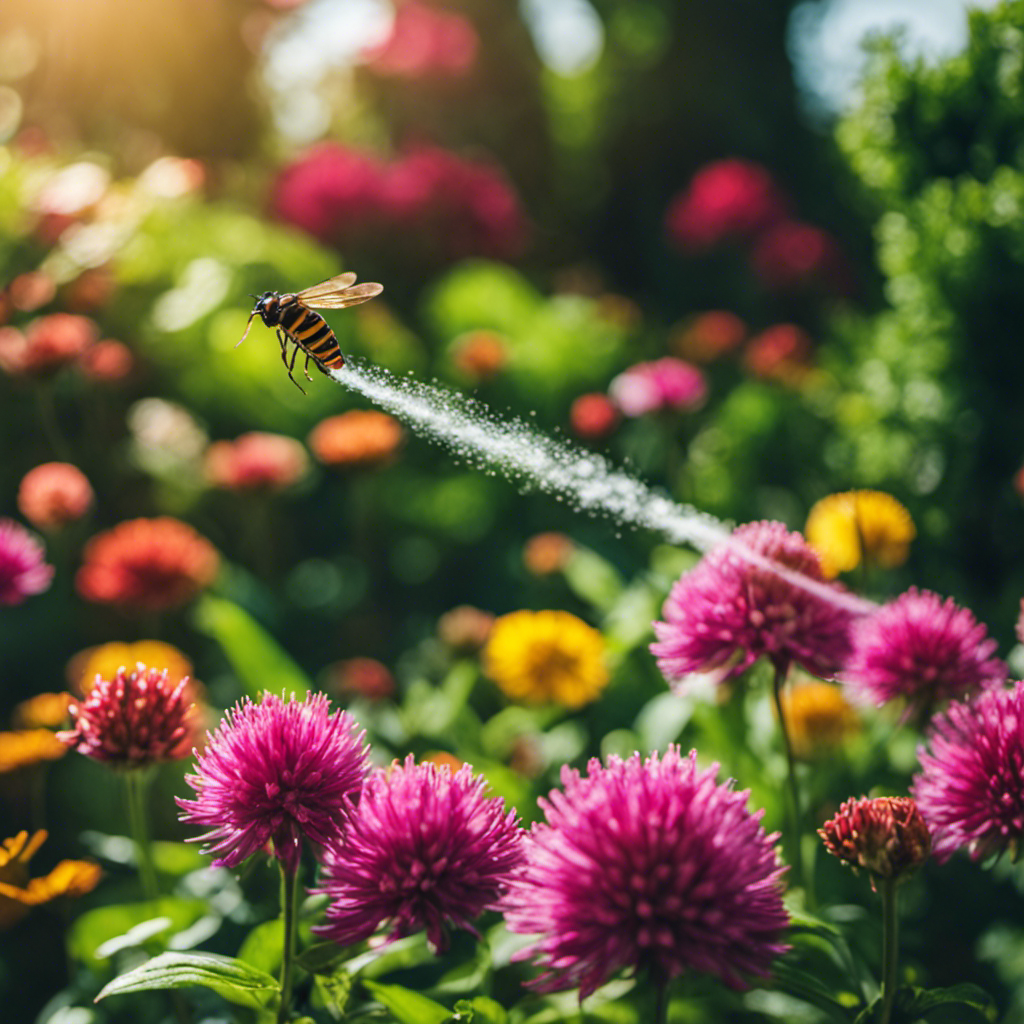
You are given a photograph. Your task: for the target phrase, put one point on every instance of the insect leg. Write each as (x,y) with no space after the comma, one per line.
(284,359)
(305,369)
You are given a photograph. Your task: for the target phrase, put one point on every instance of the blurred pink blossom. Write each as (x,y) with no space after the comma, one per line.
(666,383)
(425,41)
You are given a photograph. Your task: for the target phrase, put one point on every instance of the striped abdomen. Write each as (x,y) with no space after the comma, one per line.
(310,331)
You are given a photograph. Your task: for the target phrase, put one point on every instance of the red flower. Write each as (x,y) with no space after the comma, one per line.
(49,343)
(466,207)
(137,718)
(149,564)
(362,677)
(709,335)
(793,255)
(425,41)
(106,362)
(256,461)
(781,353)
(331,192)
(54,494)
(886,836)
(593,416)
(724,200)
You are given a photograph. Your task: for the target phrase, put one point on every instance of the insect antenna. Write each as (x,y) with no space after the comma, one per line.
(247,326)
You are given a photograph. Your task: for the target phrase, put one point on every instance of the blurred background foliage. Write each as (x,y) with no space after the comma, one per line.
(545,220)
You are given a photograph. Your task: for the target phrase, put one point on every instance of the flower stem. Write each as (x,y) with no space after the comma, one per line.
(661,1000)
(890,945)
(289,899)
(137,782)
(46,407)
(795,844)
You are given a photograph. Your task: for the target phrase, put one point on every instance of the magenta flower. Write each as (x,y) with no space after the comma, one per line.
(666,383)
(424,849)
(793,255)
(137,718)
(726,613)
(971,785)
(921,649)
(647,865)
(23,571)
(726,199)
(276,772)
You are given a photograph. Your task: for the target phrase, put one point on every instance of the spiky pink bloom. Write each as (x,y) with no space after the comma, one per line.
(423,850)
(923,650)
(23,571)
(137,718)
(276,772)
(970,788)
(724,614)
(647,865)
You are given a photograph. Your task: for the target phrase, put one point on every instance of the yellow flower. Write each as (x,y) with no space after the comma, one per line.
(28,746)
(818,716)
(18,893)
(548,656)
(106,659)
(43,711)
(870,525)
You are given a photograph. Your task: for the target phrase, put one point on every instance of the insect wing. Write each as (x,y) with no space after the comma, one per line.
(331,286)
(339,299)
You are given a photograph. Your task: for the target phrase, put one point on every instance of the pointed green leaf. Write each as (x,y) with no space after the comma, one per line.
(406,1006)
(257,658)
(234,980)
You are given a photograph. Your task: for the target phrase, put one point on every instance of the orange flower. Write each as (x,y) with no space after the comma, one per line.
(43,711)
(106,659)
(362,677)
(148,564)
(479,355)
(442,758)
(358,437)
(708,336)
(465,629)
(54,494)
(256,461)
(546,553)
(32,290)
(19,893)
(106,362)
(781,353)
(27,747)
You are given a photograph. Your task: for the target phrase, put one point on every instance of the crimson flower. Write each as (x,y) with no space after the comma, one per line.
(424,849)
(137,718)
(647,865)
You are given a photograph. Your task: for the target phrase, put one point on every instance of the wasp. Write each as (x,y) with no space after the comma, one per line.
(293,316)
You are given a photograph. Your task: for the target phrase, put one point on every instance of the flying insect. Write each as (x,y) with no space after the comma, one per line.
(293,316)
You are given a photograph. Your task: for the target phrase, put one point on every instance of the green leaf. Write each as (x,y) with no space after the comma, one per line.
(257,658)
(234,980)
(322,958)
(485,1010)
(263,947)
(333,991)
(406,1006)
(592,578)
(960,1004)
(96,929)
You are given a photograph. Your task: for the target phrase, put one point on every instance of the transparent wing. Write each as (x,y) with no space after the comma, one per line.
(338,292)
(331,286)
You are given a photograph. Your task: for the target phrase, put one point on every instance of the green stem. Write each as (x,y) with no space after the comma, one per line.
(289,901)
(890,945)
(661,1001)
(137,782)
(48,421)
(795,845)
